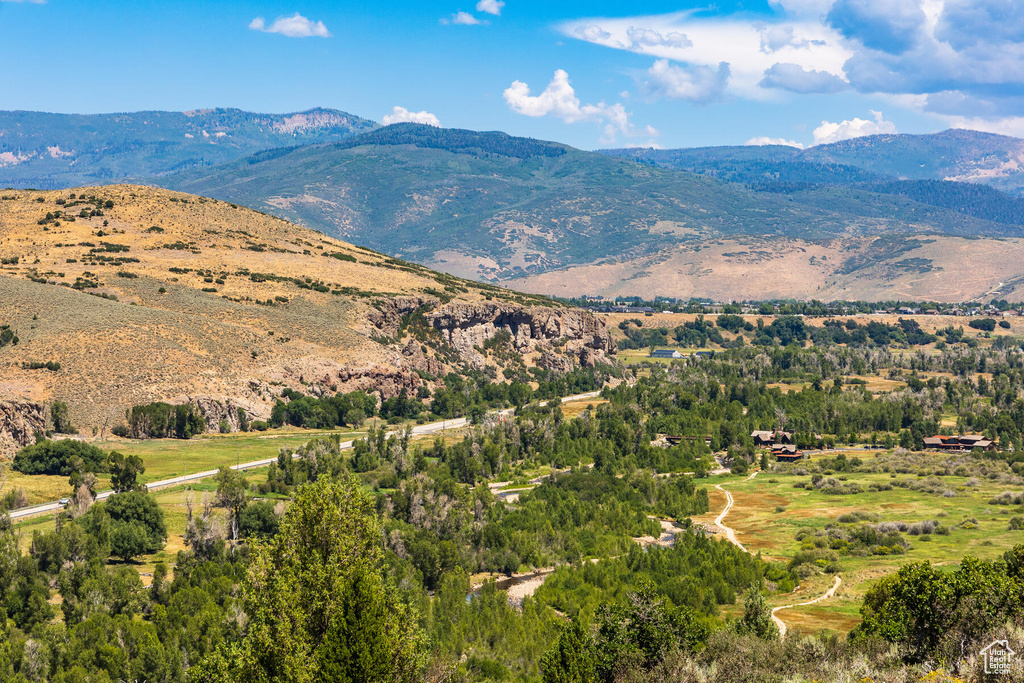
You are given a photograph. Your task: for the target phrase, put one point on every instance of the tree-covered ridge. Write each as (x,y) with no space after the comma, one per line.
(456,140)
(419,190)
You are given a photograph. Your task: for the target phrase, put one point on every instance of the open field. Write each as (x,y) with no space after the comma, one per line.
(166,458)
(768,512)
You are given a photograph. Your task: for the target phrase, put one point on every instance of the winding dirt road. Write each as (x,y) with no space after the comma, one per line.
(824,596)
(731,535)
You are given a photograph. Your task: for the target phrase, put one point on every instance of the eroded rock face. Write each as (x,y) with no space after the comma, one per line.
(214,409)
(573,332)
(388,381)
(388,316)
(19,422)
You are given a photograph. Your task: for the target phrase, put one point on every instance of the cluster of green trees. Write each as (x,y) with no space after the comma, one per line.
(322,413)
(163,421)
(354,565)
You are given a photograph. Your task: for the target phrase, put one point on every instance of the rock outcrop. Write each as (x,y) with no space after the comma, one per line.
(216,409)
(388,316)
(573,332)
(19,422)
(388,381)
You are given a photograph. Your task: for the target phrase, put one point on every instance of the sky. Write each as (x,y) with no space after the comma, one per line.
(592,74)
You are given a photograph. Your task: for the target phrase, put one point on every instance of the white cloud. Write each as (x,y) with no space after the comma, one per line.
(403,115)
(559,100)
(699,84)
(490,6)
(961,60)
(829,132)
(296,26)
(1011,125)
(760,141)
(593,34)
(640,38)
(463,19)
(750,48)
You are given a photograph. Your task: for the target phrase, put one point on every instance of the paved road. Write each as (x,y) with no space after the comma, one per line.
(419,430)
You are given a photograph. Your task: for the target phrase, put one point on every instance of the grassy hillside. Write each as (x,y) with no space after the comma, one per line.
(142,295)
(489,206)
(51,151)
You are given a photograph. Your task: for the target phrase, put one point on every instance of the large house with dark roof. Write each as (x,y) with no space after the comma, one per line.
(965,442)
(767,439)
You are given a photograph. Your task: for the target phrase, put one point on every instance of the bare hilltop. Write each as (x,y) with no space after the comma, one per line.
(141,294)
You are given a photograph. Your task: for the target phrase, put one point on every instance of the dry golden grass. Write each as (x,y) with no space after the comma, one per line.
(183,342)
(759,268)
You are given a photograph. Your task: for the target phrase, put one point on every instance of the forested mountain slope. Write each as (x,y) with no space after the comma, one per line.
(50,151)
(494,207)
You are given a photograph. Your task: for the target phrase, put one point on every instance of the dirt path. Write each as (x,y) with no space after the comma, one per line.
(824,596)
(731,535)
(729,532)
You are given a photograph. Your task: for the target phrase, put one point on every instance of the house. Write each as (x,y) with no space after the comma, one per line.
(966,442)
(787,453)
(704,354)
(907,310)
(665,353)
(768,438)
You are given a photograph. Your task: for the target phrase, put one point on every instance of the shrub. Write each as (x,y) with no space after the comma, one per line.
(984,324)
(1016,524)
(60,457)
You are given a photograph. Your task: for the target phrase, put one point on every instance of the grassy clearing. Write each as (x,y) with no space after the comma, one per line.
(166,458)
(768,512)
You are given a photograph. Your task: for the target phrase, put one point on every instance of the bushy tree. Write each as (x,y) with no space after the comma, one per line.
(125,472)
(318,606)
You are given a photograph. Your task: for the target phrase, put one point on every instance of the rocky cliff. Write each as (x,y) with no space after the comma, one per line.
(19,422)
(569,332)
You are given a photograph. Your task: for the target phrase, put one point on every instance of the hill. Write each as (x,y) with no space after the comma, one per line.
(952,155)
(497,208)
(142,295)
(51,151)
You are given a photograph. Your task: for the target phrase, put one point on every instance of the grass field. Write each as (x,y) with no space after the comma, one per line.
(768,512)
(166,458)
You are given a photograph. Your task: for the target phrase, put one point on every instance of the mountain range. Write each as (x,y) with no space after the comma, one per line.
(929,216)
(53,151)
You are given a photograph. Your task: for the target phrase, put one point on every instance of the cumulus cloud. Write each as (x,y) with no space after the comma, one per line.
(829,132)
(890,26)
(462,19)
(795,78)
(490,6)
(592,33)
(403,115)
(296,26)
(960,59)
(645,37)
(700,84)
(761,141)
(559,100)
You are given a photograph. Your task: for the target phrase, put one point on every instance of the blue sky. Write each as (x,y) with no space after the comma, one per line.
(592,74)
